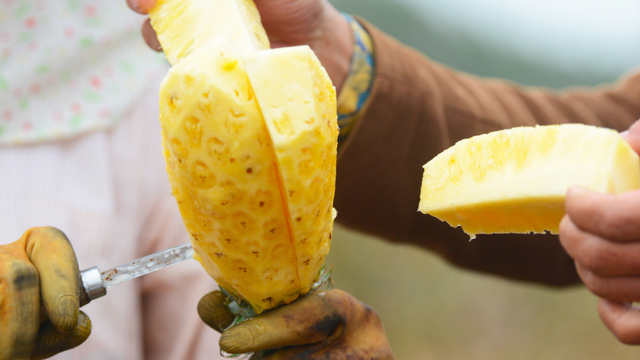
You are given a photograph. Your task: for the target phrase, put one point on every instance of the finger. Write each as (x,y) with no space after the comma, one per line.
(622,319)
(141,6)
(135,6)
(150,37)
(52,254)
(214,312)
(600,256)
(612,288)
(300,352)
(632,136)
(613,217)
(625,135)
(306,321)
(51,341)
(19,303)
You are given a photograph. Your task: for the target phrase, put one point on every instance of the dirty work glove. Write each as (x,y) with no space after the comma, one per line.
(326,325)
(41,265)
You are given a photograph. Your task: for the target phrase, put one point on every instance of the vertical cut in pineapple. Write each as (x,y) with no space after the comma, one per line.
(183,26)
(515,181)
(224,176)
(298,103)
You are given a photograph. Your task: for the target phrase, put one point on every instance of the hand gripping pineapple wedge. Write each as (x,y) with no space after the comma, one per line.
(250,139)
(515,181)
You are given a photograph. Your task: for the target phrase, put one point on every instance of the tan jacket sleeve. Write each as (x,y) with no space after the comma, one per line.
(417,109)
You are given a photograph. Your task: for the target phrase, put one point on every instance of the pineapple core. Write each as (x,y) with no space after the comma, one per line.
(250,141)
(515,181)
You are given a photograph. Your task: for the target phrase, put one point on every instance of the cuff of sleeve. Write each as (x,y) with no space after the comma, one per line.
(357,86)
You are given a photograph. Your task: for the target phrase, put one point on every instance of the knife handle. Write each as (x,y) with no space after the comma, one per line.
(90,288)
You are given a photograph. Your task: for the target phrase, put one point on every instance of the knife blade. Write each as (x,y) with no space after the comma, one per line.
(146,265)
(94,284)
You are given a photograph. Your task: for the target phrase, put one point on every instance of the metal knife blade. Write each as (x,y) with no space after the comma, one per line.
(94,284)
(147,264)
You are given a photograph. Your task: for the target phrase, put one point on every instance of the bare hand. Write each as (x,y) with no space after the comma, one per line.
(601,232)
(327,325)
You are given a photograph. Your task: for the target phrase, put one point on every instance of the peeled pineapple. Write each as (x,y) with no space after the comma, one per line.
(184,26)
(250,139)
(515,181)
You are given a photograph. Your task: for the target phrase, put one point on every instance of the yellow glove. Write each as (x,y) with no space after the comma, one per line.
(326,325)
(41,265)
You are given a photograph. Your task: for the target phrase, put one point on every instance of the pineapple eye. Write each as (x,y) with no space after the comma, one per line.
(194,130)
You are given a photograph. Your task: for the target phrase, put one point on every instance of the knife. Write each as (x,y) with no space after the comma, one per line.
(94,284)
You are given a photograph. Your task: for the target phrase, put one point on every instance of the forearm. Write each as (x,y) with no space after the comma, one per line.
(416,110)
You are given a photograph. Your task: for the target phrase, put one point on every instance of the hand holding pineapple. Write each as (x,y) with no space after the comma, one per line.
(290,23)
(327,325)
(516,181)
(271,88)
(601,232)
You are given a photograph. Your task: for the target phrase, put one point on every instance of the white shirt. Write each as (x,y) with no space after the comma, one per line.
(109,192)
(100,179)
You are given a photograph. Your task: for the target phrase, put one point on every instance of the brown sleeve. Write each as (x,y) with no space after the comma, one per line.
(417,109)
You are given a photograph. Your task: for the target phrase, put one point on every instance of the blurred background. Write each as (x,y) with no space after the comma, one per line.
(430,309)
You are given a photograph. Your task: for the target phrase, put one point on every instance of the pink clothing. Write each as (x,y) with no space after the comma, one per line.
(109,192)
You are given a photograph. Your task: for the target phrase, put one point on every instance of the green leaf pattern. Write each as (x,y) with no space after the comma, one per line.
(68,67)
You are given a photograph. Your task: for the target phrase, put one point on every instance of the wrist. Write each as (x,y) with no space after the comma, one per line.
(357,86)
(335,48)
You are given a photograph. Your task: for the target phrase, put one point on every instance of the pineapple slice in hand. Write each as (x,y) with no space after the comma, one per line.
(250,138)
(515,181)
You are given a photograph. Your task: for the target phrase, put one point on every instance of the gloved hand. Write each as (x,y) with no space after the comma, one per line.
(326,325)
(40,267)
(288,23)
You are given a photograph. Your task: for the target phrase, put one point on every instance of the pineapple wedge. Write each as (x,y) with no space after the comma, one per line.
(300,118)
(515,181)
(184,26)
(250,139)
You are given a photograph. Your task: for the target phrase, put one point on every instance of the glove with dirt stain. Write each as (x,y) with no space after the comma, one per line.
(40,268)
(326,325)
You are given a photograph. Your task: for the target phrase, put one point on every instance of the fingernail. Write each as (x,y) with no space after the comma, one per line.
(84,324)
(67,312)
(236,340)
(625,134)
(146,5)
(576,191)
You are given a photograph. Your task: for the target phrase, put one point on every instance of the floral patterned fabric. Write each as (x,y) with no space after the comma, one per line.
(68,67)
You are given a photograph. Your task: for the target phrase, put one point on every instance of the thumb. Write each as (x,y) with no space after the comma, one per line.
(308,320)
(214,312)
(632,136)
(52,254)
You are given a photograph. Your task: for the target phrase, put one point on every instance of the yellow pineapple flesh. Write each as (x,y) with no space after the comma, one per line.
(515,181)
(250,140)
(184,26)
(300,118)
